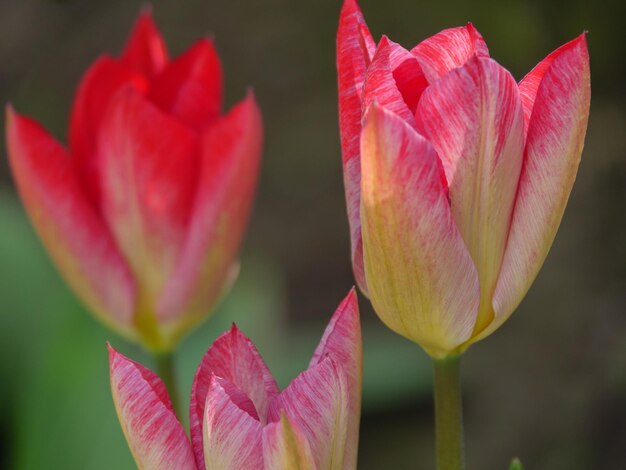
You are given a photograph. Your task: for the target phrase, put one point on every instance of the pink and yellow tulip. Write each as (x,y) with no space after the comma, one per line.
(144,213)
(239,418)
(456,176)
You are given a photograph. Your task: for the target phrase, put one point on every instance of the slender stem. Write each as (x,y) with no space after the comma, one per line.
(167,371)
(448,415)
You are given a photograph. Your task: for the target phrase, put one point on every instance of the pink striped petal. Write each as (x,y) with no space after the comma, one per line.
(473,117)
(148,170)
(342,343)
(235,358)
(68,225)
(230,157)
(190,87)
(553,148)
(285,447)
(232,437)
(317,402)
(380,84)
(145,49)
(422,281)
(529,85)
(407,74)
(155,437)
(355,48)
(99,84)
(449,49)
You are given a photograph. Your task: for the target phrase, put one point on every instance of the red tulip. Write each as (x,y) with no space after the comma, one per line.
(239,418)
(456,176)
(144,213)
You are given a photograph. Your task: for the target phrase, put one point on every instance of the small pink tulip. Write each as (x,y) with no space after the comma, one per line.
(239,418)
(144,213)
(456,176)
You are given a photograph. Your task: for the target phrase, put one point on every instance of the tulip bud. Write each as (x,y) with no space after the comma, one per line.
(456,176)
(239,418)
(145,211)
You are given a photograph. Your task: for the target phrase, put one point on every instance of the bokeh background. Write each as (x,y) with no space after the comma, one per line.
(549,386)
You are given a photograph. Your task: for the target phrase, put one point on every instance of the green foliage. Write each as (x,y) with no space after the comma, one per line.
(516,464)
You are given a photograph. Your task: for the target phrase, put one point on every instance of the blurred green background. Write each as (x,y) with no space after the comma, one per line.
(549,386)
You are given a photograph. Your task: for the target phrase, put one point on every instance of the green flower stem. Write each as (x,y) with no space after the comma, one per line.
(167,371)
(448,415)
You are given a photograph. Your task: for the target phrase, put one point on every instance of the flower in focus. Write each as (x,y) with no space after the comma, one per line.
(239,418)
(144,213)
(456,176)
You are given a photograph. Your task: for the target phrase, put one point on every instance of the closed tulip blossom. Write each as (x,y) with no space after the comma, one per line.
(144,211)
(456,176)
(239,419)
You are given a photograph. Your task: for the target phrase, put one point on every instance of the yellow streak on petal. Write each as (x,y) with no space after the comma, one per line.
(295,453)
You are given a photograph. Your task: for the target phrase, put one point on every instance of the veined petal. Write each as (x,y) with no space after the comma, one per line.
(230,157)
(148,168)
(75,236)
(99,84)
(473,117)
(232,436)
(407,74)
(553,148)
(449,49)
(422,281)
(529,85)
(380,85)
(285,447)
(317,402)
(355,48)
(155,437)
(190,87)
(342,343)
(234,358)
(145,49)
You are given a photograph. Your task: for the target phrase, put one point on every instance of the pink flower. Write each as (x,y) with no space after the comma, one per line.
(239,418)
(456,176)
(144,213)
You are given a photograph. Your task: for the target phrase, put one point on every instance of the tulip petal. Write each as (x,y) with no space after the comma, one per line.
(156,438)
(355,48)
(317,402)
(99,84)
(423,283)
(449,49)
(380,84)
(553,149)
(232,438)
(529,85)
(408,75)
(232,357)
(473,117)
(145,49)
(148,170)
(69,227)
(342,343)
(190,87)
(285,447)
(230,156)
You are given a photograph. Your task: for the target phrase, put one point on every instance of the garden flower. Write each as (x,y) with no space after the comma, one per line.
(239,418)
(144,212)
(456,176)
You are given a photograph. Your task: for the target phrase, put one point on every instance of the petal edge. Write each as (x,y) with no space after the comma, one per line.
(68,225)
(155,436)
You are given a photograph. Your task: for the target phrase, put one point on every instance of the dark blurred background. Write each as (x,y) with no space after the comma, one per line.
(549,386)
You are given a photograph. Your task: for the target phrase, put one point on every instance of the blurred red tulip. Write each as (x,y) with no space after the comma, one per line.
(145,212)
(456,176)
